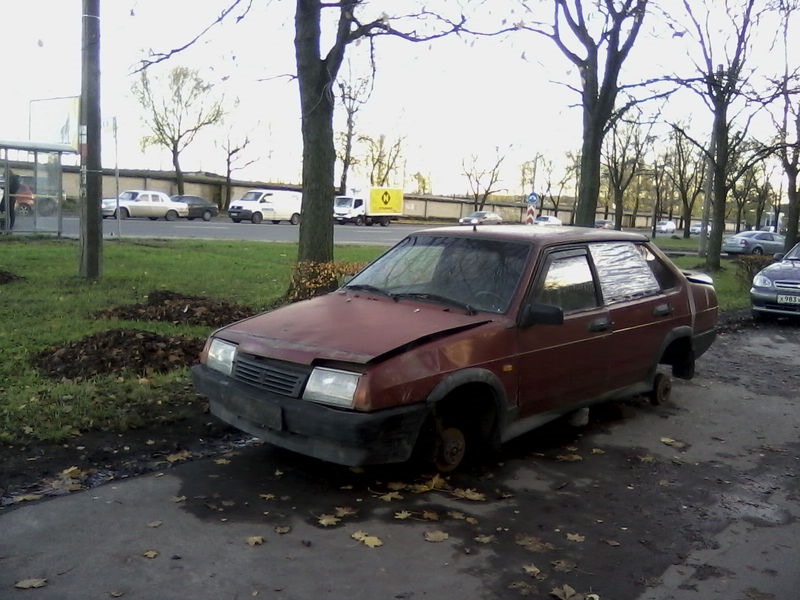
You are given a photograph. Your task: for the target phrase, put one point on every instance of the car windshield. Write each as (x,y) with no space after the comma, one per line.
(128,195)
(793,254)
(477,274)
(249,196)
(343,201)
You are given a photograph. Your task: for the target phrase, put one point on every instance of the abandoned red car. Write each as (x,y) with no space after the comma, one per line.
(458,339)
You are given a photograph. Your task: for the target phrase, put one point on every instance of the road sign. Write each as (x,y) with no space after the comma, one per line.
(533,198)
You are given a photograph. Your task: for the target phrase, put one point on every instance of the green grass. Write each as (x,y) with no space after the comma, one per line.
(52,306)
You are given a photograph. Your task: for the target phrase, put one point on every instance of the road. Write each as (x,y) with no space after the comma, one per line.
(223,228)
(695,499)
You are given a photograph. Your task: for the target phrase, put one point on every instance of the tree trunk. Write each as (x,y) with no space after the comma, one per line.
(793,210)
(315,78)
(589,189)
(176,164)
(720,189)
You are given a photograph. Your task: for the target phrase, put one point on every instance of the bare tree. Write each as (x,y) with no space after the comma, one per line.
(787,124)
(482,178)
(381,157)
(176,114)
(234,161)
(554,186)
(624,150)
(316,74)
(719,85)
(423,183)
(745,191)
(353,93)
(609,28)
(686,171)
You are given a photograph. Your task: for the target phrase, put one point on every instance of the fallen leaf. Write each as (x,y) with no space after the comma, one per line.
(569,457)
(523,588)
(155,524)
(282,529)
(674,443)
(72,472)
(575,537)
(388,497)
(396,486)
(345,511)
(179,498)
(471,520)
(178,456)
(484,539)
(150,553)
(565,592)
(368,540)
(437,482)
(27,498)
(613,543)
(436,536)
(430,515)
(403,514)
(29,584)
(455,514)
(267,496)
(116,594)
(469,494)
(563,565)
(255,540)
(647,458)
(598,451)
(533,543)
(534,572)
(222,461)
(328,520)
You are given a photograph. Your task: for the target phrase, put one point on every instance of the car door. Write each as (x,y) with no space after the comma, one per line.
(559,365)
(143,206)
(645,302)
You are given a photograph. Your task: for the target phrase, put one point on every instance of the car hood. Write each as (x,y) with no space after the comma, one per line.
(785,269)
(346,326)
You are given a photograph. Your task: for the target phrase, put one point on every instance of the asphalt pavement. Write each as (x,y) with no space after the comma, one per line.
(696,499)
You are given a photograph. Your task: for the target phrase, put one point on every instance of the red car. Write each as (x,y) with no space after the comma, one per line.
(458,339)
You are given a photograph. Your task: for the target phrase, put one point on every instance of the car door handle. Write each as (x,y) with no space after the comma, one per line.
(602,324)
(662,310)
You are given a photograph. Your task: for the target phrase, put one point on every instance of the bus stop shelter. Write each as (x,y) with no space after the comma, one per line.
(35,169)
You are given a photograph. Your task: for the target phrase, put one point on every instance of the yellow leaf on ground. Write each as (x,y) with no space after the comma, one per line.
(575,537)
(534,572)
(566,592)
(674,443)
(29,584)
(267,496)
(72,472)
(430,515)
(328,520)
(179,498)
(222,461)
(403,514)
(396,486)
(436,536)
(469,494)
(345,511)
(471,520)
(27,498)
(613,543)
(563,565)
(368,540)
(388,497)
(283,529)
(179,456)
(150,553)
(455,514)
(484,539)
(534,544)
(155,524)
(255,540)
(569,457)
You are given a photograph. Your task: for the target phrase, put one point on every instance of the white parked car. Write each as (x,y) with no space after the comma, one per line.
(144,203)
(665,227)
(544,220)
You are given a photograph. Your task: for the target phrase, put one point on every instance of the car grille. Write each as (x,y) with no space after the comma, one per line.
(788,285)
(285,379)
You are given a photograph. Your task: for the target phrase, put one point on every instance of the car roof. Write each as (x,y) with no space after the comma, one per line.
(536,235)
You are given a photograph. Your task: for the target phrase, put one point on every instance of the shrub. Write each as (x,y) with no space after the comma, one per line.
(311,278)
(747,266)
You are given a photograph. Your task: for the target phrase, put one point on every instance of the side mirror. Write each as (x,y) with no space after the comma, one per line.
(541,314)
(778,255)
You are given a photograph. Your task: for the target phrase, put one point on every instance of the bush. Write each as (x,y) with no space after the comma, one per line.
(311,279)
(747,266)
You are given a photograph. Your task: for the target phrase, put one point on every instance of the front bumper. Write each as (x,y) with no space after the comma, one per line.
(344,437)
(240,214)
(765,301)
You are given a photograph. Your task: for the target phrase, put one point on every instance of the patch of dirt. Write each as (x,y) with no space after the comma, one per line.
(179,429)
(8,277)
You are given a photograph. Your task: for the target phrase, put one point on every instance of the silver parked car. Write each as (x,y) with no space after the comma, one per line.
(776,288)
(481,217)
(753,242)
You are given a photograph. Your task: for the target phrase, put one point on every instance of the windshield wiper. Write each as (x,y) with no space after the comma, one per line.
(365,287)
(436,298)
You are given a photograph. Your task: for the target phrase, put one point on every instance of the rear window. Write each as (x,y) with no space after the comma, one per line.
(624,271)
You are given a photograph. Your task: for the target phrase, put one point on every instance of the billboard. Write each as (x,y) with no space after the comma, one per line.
(54,121)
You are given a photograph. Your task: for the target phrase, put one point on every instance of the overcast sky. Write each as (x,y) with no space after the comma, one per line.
(450,99)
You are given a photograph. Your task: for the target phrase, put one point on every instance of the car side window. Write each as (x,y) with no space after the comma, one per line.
(567,282)
(624,271)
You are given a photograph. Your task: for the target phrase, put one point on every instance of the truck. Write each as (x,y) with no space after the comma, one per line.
(273,205)
(384,204)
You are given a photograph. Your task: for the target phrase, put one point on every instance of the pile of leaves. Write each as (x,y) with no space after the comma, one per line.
(118,351)
(8,277)
(173,307)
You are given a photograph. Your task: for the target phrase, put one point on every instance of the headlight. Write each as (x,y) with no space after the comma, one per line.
(220,356)
(761,281)
(331,386)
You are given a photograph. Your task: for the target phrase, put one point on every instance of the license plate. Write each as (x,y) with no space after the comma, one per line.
(784,299)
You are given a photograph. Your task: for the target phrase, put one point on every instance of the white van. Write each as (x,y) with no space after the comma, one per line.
(269,205)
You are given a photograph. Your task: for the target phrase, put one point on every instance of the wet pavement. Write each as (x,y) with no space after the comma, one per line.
(696,499)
